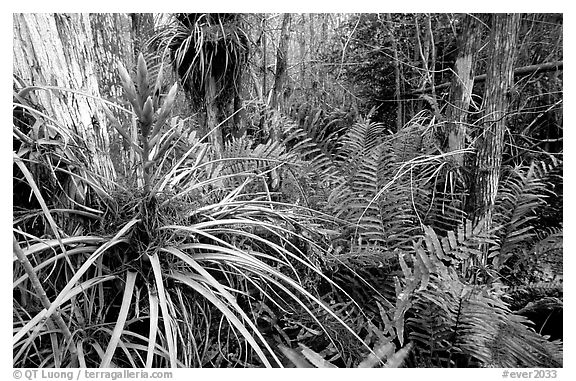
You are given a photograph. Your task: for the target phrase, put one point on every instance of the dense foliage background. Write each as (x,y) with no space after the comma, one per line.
(281,190)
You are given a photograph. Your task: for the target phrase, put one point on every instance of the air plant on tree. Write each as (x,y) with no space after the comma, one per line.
(209,53)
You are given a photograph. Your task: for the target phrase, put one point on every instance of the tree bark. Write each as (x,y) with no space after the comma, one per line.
(264,61)
(142,30)
(490,144)
(322,82)
(239,118)
(281,58)
(461,87)
(397,74)
(76,52)
(116,38)
(302,45)
(215,132)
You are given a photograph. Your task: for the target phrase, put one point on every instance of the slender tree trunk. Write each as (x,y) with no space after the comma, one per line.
(215,132)
(461,87)
(264,61)
(302,45)
(421,58)
(314,67)
(264,92)
(397,74)
(281,62)
(324,85)
(239,118)
(490,144)
(422,50)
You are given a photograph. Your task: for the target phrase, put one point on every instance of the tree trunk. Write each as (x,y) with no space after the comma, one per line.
(397,74)
(490,144)
(142,30)
(281,58)
(73,51)
(264,92)
(461,87)
(215,132)
(264,61)
(240,117)
(422,49)
(106,29)
(302,46)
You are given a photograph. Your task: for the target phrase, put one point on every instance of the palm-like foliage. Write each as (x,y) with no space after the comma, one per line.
(198,261)
(170,271)
(205,46)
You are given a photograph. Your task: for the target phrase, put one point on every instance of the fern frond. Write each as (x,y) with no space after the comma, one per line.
(360,140)
(415,139)
(242,160)
(454,323)
(522,191)
(320,162)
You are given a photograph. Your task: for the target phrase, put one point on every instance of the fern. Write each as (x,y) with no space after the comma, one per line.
(370,195)
(383,199)
(315,152)
(360,140)
(538,265)
(416,138)
(453,313)
(522,191)
(242,158)
(453,322)
(350,200)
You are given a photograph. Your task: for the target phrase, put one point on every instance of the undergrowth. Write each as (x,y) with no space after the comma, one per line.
(331,245)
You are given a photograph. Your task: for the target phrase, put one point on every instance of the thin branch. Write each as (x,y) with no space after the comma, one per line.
(346,46)
(521,71)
